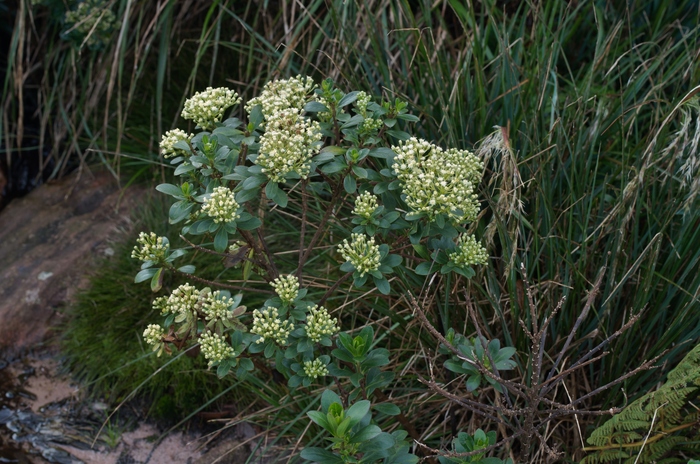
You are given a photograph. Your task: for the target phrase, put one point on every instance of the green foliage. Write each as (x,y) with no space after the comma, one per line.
(659,425)
(469,445)
(239,169)
(474,351)
(352,432)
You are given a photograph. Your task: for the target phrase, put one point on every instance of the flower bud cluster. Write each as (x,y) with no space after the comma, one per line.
(370,124)
(267,324)
(289,142)
(221,205)
(365,205)
(315,368)
(153,335)
(150,248)
(180,301)
(217,306)
(214,348)
(320,324)
(168,141)
(469,252)
(206,108)
(437,181)
(283,95)
(90,23)
(287,288)
(362,253)
(361,103)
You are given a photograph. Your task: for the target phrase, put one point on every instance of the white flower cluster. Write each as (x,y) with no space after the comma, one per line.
(371,124)
(469,252)
(283,95)
(207,108)
(365,205)
(315,368)
(289,142)
(267,324)
(91,22)
(361,103)
(181,300)
(153,335)
(217,306)
(150,248)
(362,253)
(437,181)
(214,348)
(319,323)
(221,205)
(287,288)
(168,141)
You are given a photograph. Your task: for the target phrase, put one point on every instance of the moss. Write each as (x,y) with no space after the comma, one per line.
(102,342)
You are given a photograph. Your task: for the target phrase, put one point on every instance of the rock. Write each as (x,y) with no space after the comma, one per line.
(48,240)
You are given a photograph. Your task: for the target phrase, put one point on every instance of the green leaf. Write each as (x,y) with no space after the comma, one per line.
(157,280)
(179,211)
(473,382)
(294,381)
(333,167)
(467,272)
(383,441)
(348,98)
(387,408)
(360,172)
(323,157)
(188,269)
(170,189)
(382,285)
(350,184)
(249,224)
(408,117)
(380,188)
(145,274)
(401,135)
(357,411)
(276,194)
(221,240)
(183,168)
(366,433)
(223,369)
(454,366)
(316,107)
(425,268)
(246,195)
(382,153)
(319,418)
(392,260)
(269,349)
(329,397)
(253,182)
(321,456)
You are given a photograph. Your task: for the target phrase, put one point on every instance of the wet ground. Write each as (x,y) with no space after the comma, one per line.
(45,418)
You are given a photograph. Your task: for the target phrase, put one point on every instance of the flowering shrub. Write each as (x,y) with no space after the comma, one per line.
(330,159)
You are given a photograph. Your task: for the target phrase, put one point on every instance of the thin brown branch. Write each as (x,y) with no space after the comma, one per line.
(302,232)
(333,288)
(219,284)
(646,365)
(586,308)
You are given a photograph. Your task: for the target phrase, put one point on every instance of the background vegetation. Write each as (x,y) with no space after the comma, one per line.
(595,98)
